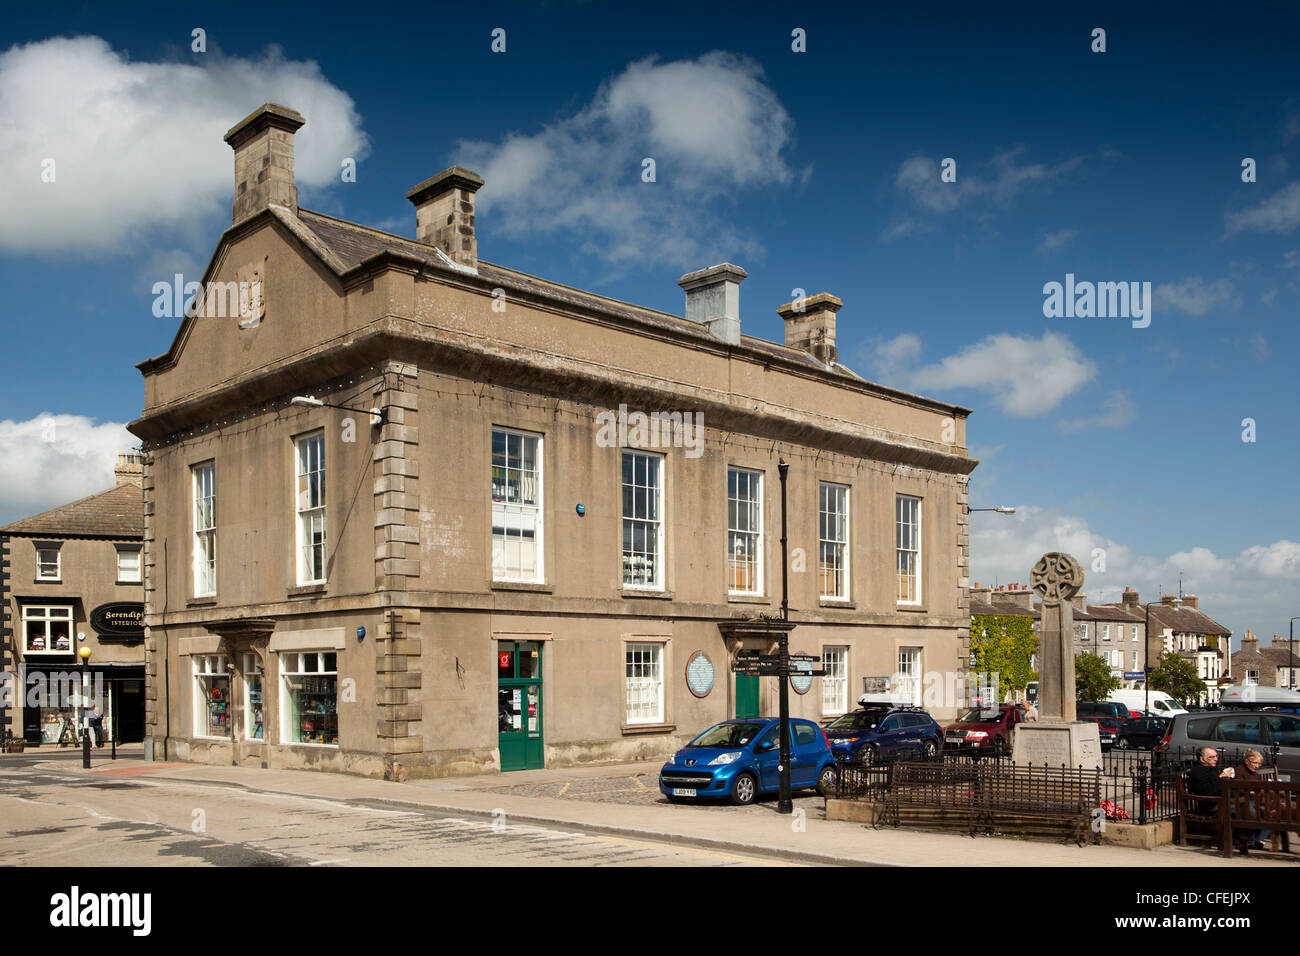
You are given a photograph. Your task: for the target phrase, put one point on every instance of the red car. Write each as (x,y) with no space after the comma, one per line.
(983,728)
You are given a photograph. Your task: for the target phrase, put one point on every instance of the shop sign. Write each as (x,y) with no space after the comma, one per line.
(122,620)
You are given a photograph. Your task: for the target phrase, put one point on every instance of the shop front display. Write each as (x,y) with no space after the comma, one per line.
(310,698)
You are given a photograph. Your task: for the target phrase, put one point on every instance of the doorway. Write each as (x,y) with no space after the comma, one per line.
(520,739)
(747,696)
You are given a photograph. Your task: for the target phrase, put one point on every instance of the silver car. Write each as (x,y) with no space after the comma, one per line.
(1233,732)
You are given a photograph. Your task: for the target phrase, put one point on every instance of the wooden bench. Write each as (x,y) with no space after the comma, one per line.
(1241,805)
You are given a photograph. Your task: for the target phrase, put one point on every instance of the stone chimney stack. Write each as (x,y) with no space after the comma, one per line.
(1131,602)
(1250,643)
(713,299)
(444,213)
(810,325)
(1080,602)
(263,145)
(129,470)
(1189,600)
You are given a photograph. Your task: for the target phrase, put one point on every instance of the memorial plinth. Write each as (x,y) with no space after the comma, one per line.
(1057,743)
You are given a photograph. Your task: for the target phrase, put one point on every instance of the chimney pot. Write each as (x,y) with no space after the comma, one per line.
(129,470)
(810,325)
(444,213)
(713,299)
(263,145)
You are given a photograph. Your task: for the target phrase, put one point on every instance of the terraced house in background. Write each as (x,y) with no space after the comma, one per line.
(471,577)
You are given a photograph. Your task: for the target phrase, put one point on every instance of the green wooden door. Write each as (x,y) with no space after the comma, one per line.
(519,706)
(747,696)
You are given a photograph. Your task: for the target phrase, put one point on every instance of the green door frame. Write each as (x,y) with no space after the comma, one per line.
(520,698)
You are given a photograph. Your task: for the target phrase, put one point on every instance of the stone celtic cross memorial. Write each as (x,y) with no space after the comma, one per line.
(1057,738)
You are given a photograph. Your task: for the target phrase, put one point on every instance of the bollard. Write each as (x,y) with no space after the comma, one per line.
(85,748)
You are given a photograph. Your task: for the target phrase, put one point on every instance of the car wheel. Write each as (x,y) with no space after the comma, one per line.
(826,781)
(745,790)
(929,750)
(869,755)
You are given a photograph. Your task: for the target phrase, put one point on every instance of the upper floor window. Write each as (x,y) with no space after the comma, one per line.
(1106,633)
(516,506)
(128,564)
(908,519)
(205,529)
(311,508)
(833,540)
(744,531)
(48,564)
(47,630)
(643,526)
(1135,633)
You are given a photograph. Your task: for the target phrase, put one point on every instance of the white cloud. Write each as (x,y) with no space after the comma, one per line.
(1055,240)
(996,181)
(138,145)
(712,125)
(1251,589)
(1280,212)
(1025,376)
(1194,296)
(1118,411)
(51,460)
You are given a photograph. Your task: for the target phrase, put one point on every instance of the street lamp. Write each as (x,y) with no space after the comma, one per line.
(1146,633)
(378,416)
(84,653)
(1000,509)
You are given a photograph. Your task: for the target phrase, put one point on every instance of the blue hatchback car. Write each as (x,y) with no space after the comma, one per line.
(739,759)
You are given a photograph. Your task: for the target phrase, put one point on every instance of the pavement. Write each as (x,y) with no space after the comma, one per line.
(623,800)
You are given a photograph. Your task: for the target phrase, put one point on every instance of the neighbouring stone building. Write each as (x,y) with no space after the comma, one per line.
(1111,631)
(1179,626)
(72,579)
(1276,665)
(559,526)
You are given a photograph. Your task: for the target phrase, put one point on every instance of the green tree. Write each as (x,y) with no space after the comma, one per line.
(1177,677)
(1092,678)
(1004,644)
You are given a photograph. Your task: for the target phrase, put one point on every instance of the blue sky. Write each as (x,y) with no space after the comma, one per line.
(816,170)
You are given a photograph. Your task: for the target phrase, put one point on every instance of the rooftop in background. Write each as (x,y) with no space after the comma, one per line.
(115,513)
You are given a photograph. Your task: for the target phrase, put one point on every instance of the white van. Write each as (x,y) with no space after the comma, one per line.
(1161,704)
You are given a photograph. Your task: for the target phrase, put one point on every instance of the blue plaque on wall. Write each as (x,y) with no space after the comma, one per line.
(700,674)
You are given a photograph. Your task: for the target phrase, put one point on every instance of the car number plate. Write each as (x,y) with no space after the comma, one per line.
(683,792)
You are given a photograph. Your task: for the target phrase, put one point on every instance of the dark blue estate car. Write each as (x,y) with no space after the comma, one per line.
(739,759)
(877,732)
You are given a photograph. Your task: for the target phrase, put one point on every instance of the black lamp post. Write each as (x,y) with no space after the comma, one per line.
(784,803)
(84,654)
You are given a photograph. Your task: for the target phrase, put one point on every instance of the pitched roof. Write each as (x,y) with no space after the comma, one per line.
(115,513)
(1186,619)
(1112,612)
(346,247)
(1006,609)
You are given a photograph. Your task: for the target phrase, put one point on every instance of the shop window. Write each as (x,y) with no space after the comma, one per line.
(211,696)
(253,726)
(47,630)
(309,696)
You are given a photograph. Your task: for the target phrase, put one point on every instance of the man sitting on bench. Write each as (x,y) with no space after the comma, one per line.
(1205,780)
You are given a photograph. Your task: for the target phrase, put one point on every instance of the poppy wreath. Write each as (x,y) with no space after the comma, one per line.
(1113,811)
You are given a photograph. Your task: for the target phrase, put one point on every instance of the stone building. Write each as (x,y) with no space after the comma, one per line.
(73,580)
(556,530)
(1179,626)
(1276,665)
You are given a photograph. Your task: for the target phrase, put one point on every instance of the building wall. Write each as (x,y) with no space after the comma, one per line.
(409,515)
(88,576)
